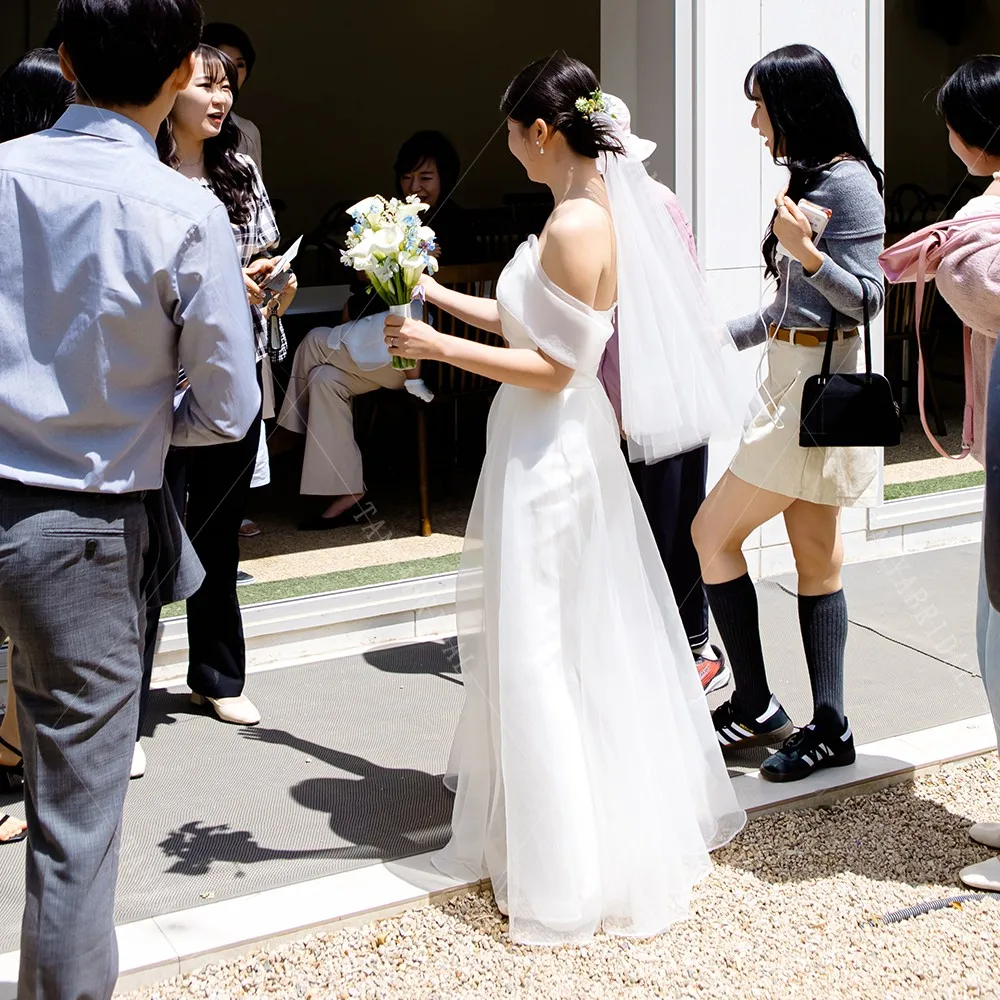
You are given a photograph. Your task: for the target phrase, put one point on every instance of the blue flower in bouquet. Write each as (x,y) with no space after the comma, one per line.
(389,243)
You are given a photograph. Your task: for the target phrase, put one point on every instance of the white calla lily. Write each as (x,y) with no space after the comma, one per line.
(410,208)
(364,207)
(388,240)
(412,262)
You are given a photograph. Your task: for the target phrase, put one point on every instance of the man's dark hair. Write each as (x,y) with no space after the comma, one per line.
(123,51)
(220,33)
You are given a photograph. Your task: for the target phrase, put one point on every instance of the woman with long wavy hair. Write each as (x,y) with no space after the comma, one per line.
(200,140)
(809,126)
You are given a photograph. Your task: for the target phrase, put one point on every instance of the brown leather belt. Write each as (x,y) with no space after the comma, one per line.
(808,338)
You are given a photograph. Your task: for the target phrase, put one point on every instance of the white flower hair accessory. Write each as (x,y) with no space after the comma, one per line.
(592,104)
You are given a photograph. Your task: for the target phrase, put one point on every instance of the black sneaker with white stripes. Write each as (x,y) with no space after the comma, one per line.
(766,730)
(807,751)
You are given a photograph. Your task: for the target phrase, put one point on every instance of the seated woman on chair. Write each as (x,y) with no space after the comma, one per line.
(326,375)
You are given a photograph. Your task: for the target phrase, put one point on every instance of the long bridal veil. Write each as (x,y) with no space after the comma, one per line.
(680,381)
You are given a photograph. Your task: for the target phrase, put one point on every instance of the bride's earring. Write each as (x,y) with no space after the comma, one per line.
(541,149)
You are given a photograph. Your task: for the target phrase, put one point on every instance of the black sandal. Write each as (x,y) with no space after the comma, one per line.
(11,775)
(12,840)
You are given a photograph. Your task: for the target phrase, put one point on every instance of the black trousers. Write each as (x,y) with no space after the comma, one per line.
(216,483)
(174,479)
(671,492)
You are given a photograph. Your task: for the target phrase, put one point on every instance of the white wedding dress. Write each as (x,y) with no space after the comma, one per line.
(590,785)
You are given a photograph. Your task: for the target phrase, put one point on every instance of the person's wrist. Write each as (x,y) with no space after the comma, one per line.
(430,292)
(810,258)
(442,347)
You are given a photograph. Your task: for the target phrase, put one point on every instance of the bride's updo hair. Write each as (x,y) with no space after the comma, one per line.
(549,89)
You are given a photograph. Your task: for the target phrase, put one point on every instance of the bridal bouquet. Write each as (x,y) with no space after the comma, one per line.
(389,243)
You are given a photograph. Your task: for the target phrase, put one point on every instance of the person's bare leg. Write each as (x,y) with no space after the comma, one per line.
(8,727)
(726,519)
(11,827)
(817,545)
(340,504)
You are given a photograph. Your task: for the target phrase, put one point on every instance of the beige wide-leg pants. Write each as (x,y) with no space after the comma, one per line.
(318,404)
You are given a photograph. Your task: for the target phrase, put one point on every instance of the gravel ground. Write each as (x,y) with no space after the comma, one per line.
(782,916)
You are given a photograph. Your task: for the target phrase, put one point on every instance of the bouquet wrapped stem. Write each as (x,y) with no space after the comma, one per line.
(389,243)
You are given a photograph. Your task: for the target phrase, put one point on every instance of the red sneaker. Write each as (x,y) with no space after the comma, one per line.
(713,669)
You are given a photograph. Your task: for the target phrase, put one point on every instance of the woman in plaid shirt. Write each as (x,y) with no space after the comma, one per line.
(200,141)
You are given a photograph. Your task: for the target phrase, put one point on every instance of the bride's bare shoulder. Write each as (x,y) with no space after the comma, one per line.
(574,250)
(572,255)
(578,219)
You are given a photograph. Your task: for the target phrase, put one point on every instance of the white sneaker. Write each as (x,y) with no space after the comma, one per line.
(240,711)
(987,834)
(984,876)
(138,761)
(418,387)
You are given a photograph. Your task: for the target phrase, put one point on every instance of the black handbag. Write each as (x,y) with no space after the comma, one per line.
(849,409)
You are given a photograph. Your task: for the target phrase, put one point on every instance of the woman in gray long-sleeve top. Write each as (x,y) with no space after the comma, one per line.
(807,122)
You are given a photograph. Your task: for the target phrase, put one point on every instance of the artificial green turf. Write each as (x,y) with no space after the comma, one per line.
(307,586)
(900,491)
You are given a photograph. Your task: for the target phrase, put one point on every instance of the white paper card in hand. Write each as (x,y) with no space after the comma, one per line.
(282,262)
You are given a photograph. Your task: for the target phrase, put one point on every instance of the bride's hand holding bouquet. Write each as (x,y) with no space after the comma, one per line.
(407,337)
(413,339)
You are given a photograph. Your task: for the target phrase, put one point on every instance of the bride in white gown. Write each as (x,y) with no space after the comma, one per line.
(590,785)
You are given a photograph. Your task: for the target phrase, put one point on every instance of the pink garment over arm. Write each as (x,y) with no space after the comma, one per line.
(968,279)
(609,372)
(963,256)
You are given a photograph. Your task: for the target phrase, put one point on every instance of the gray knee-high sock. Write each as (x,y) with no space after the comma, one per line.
(823,621)
(734,607)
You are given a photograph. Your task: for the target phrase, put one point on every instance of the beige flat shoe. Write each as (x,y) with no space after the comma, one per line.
(239,711)
(138,761)
(987,834)
(984,876)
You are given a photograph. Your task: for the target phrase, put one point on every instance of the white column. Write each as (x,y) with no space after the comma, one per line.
(638,65)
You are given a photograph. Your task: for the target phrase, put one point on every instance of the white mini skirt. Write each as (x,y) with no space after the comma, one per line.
(770,456)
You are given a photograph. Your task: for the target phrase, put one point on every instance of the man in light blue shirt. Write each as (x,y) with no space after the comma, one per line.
(115,271)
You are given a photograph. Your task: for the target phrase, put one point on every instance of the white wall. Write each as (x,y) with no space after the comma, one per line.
(638,65)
